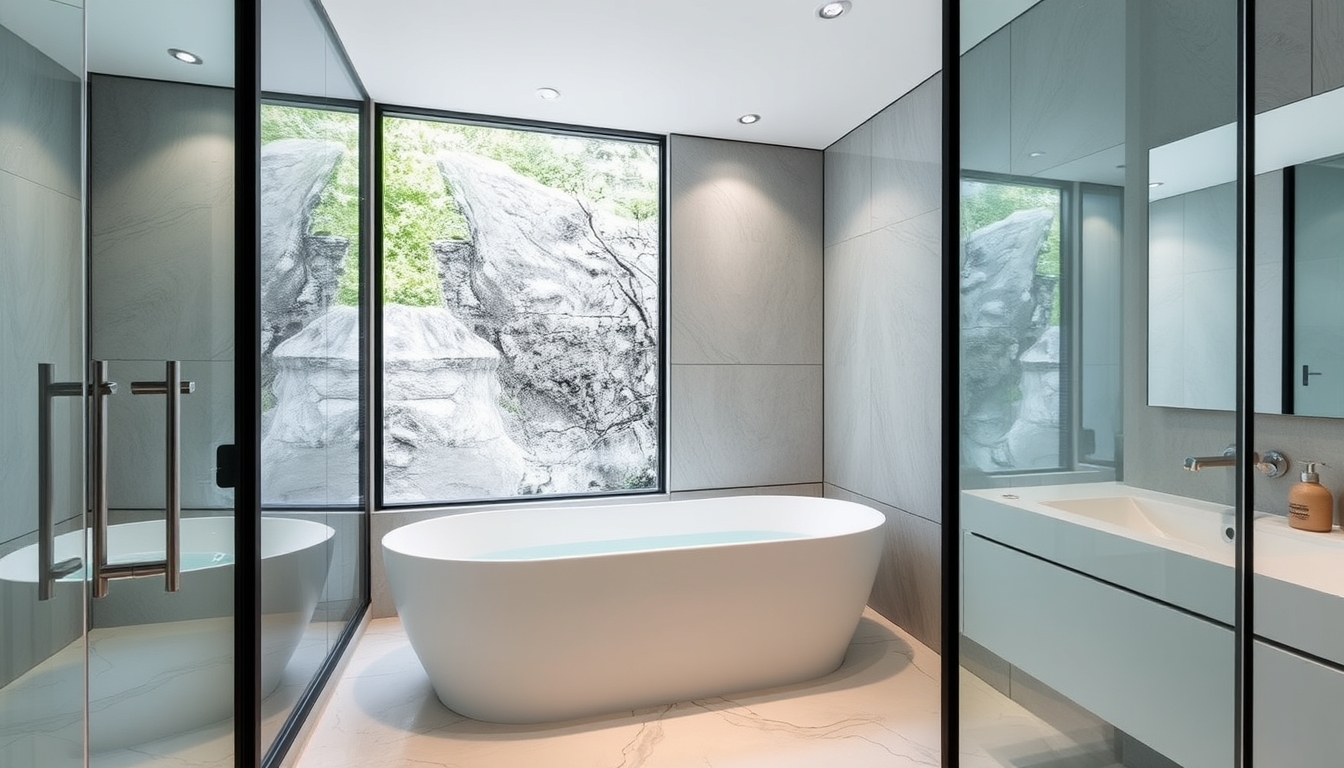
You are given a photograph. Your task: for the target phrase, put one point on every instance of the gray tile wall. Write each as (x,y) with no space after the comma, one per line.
(745,404)
(161,234)
(41,320)
(883,350)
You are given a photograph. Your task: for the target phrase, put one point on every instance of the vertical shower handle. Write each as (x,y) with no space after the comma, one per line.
(48,571)
(172,387)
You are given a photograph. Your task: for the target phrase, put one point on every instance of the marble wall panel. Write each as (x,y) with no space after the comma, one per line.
(1283,55)
(1068,82)
(40,137)
(986,83)
(161,220)
(136,435)
(745,229)
(1327,45)
(849,186)
(744,425)
(908,588)
(907,151)
(1187,57)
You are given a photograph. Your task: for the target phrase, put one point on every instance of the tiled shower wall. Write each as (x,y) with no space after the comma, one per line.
(883,344)
(40,278)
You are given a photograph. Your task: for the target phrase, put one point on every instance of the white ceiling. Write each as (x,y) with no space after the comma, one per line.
(675,66)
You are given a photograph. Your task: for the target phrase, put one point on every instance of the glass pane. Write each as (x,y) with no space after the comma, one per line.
(1299,380)
(42,652)
(521,301)
(312,372)
(1097,576)
(161,239)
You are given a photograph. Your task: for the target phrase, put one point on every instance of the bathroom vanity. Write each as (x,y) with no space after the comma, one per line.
(1059,579)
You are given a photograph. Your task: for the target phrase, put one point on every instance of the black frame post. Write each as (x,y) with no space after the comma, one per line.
(1244,631)
(951,374)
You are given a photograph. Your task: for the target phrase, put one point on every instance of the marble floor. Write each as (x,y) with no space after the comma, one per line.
(879,710)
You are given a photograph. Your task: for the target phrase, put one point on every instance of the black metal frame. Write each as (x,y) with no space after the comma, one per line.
(1244,631)
(382,111)
(247,395)
(950,480)
(1288,339)
(303,707)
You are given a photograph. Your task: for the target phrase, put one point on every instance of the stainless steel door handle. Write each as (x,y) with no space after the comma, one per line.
(49,571)
(172,387)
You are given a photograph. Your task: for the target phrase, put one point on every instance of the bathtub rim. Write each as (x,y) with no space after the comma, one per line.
(862,517)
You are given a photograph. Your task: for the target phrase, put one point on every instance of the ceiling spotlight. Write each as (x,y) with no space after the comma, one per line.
(186,57)
(548,94)
(834,10)
(1154,184)
(749,119)
(1037,153)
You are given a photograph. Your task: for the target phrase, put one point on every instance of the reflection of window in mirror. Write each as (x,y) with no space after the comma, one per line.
(1040,265)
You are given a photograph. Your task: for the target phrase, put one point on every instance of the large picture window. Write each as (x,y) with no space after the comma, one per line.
(521,314)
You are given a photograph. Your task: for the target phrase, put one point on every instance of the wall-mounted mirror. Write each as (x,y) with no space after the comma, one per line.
(1299,215)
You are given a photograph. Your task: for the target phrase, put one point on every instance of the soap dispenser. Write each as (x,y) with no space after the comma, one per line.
(1310,505)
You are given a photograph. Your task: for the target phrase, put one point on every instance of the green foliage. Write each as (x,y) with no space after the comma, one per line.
(337,212)
(986,202)
(620,176)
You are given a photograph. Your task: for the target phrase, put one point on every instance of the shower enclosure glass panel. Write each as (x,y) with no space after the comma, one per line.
(42,374)
(1097,595)
(161,297)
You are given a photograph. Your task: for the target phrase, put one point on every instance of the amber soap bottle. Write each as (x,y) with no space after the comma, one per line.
(1310,505)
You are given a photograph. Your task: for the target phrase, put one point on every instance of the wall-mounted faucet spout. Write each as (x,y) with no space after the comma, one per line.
(1272,464)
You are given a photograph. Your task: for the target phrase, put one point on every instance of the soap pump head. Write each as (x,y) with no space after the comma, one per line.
(1309,474)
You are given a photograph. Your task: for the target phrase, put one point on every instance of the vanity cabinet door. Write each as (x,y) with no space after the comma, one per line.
(1296,710)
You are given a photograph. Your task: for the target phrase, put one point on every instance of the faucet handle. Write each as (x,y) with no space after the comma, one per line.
(1273,463)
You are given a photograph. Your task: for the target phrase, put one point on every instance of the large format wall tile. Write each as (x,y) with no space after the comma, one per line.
(1068,82)
(907,155)
(1282,52)
(161,217)
(986,82)
(1327,45)
(744,425)
(883,375)
(849,186)
(40,322)
(39,137)
(746,252)
(1188,55)
(908,588)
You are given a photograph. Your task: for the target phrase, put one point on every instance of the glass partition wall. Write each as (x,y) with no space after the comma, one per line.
(144,622)
(1097,511)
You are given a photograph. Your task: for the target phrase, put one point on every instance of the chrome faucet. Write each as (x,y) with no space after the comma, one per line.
(1272,464)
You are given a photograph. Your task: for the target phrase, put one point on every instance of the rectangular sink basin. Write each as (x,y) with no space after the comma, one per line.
(1198,527)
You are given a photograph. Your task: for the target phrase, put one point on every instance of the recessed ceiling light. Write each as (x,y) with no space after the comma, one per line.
(834,10)
(1037,153)
(1154,184)
(749,119)
(186,57)
(548,94)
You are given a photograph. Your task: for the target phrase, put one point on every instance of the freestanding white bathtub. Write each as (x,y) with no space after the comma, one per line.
(535,615)
(161,663)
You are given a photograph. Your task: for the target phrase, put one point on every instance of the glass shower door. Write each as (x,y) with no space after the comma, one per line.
(42,655)
(161,194)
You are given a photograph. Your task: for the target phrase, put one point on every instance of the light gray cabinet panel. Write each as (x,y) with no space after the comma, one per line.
(1068,83)
(985,86)
(1188,50)
(1282,52)
(1296,710)
(1327,45)
(746,252)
